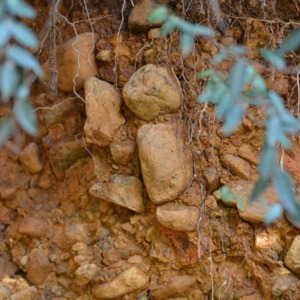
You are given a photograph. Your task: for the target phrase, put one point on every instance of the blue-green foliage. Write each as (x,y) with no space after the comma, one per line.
(16,65)
(233,93)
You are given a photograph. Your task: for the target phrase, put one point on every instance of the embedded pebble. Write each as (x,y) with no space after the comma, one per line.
(236,165)
(33,226)
(178,216)
(129,281)
(292,258)
(30,157)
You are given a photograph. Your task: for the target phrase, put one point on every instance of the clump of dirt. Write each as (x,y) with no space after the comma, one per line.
(62,240)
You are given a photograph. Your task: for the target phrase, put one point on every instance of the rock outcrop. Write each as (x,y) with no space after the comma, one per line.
(166,160)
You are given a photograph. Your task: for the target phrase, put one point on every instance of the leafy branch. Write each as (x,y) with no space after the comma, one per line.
(234,93)
(18,67)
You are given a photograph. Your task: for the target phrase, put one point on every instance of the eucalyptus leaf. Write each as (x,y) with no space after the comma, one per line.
(275,211)
(259,83)
(9,78)
(267,162)
(291,43)
(20,8)
(5,33)
(225,105)
(233,119)
(158,15)
(167,28)
(237,78)
(273,126)
(276,100)
(285,189)
(6,130)
(186,43)
(24,59)
(26,116)
(24,35)
(274,58)
(258,189)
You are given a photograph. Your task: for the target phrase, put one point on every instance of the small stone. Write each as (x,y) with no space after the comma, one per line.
(39,266)
(5,215)
(63,154)
(248,153)
(122,152)
(85,273)
(135,259)
(75,61)
(105,55)
(292,258)
(282,284)
(166,160)
(236,165)
(33,226)
(151,91)
(101,100)
(30,158)
(138,18)
(5,293)
(30,293)
(154,33)
(212,179)
(177,286)
(126,191)
(178,216)
(129,281)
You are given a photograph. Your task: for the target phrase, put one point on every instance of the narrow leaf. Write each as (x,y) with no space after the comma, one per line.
(24,35)
(26,116)
(6,130)
(158,15)
(20,8)
(5,33)
(186,43)
(267,162)
(233,119)
(24,59)
(237,78)
(273,128)
(274,58)
(258,189)
(167,28)
(291,43)
(285,189)
(273,214)
(276,100)
(224,106)
(9,78)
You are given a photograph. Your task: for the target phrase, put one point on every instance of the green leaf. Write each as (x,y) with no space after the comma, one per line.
(24,59)
(5,33)
(291,43)
(258,189)
(273,126)
(226,195)
(276,101)
(158,15)
(237,78)
(285,189)
(195,29)
(233,119)
(9,78)
(224,106)
(20,8)
(23,35)
(274,58)
(186,43)
(267,162)
(23,92)
(26,116)
(218,58)
(275,211)
(259,84)
(6,130)
(167,28)
(291,124)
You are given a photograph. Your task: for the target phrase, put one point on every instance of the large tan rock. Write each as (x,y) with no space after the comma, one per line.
(75,61)
(103,110)
(178,216)
(292,258)
(151,91)
(129,281)
(126,191)
(166,160)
